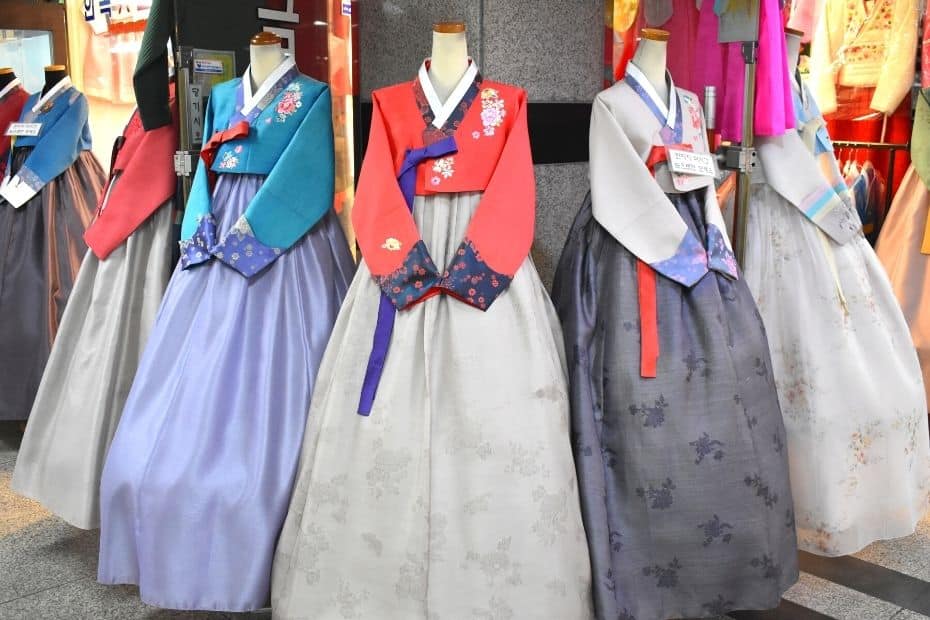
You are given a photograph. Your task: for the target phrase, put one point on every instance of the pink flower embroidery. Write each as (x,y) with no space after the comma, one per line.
(238,148)
(492,110)
(289,103)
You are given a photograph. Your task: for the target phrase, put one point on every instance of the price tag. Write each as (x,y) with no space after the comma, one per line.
(23,129)
(691,163)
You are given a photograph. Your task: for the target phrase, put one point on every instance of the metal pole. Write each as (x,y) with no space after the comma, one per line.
(743,182)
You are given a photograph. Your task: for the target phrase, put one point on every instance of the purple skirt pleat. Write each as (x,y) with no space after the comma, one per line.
(199,475)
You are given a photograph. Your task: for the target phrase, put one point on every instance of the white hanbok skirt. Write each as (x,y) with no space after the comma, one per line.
(90,370)
(848,380)
(457,497)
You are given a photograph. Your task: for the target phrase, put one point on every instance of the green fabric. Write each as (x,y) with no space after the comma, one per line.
(150,79)
(920,137)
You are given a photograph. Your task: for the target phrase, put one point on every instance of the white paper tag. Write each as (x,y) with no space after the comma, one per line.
(208,66)
(689,162)
(23,129)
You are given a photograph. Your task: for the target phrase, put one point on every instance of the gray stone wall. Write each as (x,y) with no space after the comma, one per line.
(552,48)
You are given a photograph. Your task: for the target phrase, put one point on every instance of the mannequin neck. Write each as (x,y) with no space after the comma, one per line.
(448,62)
(52,78)
(6,78)
(263,59)
(650,59)
(793,46)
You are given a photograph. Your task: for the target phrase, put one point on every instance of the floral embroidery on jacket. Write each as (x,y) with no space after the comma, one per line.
(290,102)
(229,161)
(444,166)
(492,110)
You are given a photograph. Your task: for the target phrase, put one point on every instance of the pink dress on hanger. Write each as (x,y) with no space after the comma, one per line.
(721,65)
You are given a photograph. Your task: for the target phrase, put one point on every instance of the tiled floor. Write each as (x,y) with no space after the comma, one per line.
(47,571)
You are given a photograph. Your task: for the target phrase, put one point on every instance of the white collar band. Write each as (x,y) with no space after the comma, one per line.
(442,111)
(669,110)
(250,101)
(53,92)
(9,87)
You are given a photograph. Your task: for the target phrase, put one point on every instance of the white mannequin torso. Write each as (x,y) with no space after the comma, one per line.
(263,59)
(650,58)
(448,62)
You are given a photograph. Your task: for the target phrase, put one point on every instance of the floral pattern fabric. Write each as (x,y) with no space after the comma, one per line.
(683,477)
(848,378)
(448,502)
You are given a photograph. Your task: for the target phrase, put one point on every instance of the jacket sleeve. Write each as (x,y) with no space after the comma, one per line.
(150,78)
(294,196)
(824,46)
(386,233)
(897,75)
(55,151)
(629,203)
(499,237)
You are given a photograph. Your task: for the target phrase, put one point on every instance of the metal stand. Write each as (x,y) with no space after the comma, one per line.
(747,159)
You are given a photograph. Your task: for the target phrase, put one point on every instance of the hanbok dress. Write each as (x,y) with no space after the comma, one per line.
(197,479)
(436,478)
(104,329)
(47,199)
(677,433)
(848,378)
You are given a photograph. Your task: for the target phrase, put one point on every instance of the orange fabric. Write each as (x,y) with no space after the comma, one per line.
(147,180)
(648,319)
(646,289)
(493,159)
(208,152)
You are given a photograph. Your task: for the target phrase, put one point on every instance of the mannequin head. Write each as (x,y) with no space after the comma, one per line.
(53,75)
(449,57)
(265,54)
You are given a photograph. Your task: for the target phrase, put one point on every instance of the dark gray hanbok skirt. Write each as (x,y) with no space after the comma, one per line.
(683,477)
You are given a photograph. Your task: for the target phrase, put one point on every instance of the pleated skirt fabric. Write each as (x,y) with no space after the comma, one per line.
(196,484)
(848,380)
(684,476)
(456,498)
(41,248)
(90,370)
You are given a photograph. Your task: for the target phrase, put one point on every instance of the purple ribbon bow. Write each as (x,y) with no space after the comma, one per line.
(407,179)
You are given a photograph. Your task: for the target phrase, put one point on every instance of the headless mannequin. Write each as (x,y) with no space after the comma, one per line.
(449,58)
(650,58)
(265,54)
(6,76)
(793,45)
(53,75)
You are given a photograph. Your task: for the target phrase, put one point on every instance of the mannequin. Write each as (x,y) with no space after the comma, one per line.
(793,45)
(449,58)
(7,75)
(650,58)
(53,75)
(265,54)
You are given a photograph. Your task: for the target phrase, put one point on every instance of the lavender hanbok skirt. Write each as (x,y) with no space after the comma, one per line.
(198,478)
(683,477)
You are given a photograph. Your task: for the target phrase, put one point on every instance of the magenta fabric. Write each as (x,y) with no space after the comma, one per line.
(721,65)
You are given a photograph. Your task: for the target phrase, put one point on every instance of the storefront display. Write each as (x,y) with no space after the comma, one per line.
(103,331)
(721,375)
(47,199)
(679,441)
